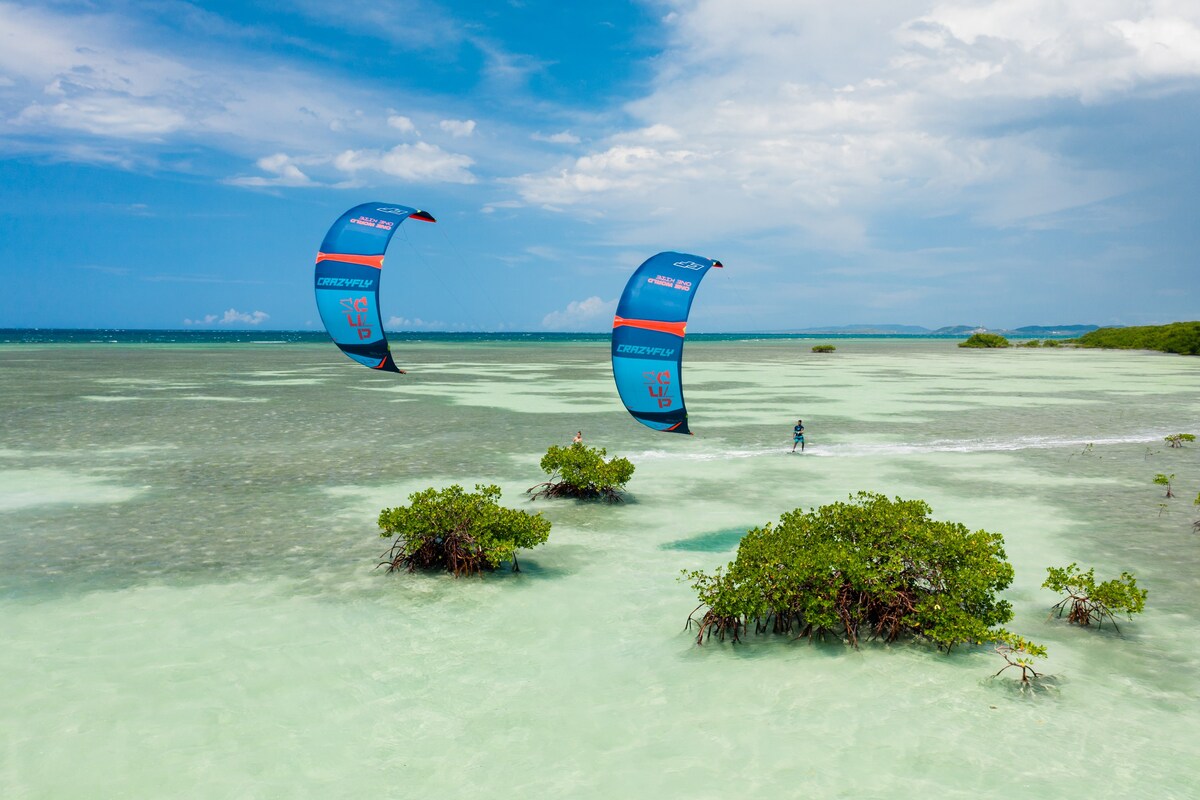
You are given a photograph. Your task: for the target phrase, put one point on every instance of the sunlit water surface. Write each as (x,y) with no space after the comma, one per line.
(189,604)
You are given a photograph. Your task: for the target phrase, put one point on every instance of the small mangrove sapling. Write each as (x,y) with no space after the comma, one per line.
(1165,480)
(1177,439)
(1018,653)
(1087,602)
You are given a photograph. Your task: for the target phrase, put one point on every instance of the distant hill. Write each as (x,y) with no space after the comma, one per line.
(1053,330)
(1029,331)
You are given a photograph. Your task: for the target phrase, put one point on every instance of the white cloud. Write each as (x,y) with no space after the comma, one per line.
(105,115)
(590,314)
(67,74)
(562,137)
(284,169)
(658,133)
(458,127)
(819,117)
(623,168)
(1030,49)
(406,324)
(417,162)
(84,71)
(491,208)
(208,319)
(231,317)
(401,123)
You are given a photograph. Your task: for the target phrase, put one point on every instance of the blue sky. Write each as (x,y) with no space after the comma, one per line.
(166,164)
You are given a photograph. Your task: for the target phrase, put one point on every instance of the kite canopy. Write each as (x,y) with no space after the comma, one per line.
(349,265)
(647,338)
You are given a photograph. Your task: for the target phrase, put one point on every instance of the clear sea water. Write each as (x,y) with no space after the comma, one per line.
(189,604)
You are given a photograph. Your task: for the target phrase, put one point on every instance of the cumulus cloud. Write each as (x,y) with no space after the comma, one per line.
(819,117)
(231,317)
(401,123)
(66,75)
(420,161)
(415,324)
(590,314)
(207,319)
(282,167)
(458,127)
(658,133)
(416,162)
(562,137)
(1026,49)
(84,72)
(624,168)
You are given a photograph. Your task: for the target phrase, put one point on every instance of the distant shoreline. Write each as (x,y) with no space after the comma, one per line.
(169,336)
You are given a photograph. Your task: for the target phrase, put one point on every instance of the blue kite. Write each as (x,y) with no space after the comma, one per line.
(647,338)
(349,265)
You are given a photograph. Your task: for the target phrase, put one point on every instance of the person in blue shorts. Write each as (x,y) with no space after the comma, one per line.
(798,436)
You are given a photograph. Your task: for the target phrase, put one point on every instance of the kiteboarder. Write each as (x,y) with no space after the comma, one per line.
(798,436)
(578,438)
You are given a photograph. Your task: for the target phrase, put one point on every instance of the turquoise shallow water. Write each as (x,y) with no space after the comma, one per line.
(190,608)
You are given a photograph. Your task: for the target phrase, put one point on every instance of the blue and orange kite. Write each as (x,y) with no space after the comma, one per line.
(647,338)
(349,265)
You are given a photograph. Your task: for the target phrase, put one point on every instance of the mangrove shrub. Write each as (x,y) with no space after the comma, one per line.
(1087,602)
(1177,439)
(823,348)
(1177,337)
(581,472)
(463,532)
(985,340)
(871,567)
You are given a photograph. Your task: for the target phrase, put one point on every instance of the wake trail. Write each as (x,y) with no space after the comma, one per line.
(865,449)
